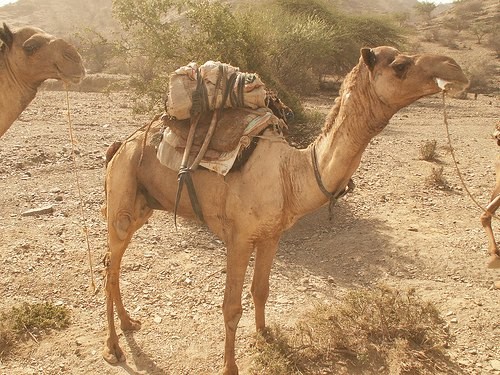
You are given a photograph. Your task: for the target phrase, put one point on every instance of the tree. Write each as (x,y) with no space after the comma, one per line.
(96,49)
(480,29)
(289,43)
(456,24)
(424,9)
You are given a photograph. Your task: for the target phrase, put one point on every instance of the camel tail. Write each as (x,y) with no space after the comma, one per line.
(111,151)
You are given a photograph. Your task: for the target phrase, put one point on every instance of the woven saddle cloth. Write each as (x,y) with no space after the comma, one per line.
(235,129)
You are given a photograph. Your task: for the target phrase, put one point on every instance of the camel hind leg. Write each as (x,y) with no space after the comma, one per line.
(126,211)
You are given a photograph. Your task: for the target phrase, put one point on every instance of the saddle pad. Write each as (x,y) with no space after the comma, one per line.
(232,124)
(171,148)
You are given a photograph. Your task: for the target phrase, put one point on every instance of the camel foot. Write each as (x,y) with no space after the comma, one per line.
(113,354)
(130,325)
(494,261)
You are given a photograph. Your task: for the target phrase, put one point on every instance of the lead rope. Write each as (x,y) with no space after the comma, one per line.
(77,178)
(452,151)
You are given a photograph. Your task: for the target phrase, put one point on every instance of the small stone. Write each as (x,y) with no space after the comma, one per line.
(453,320)
(495,364)
(496,284)
(39,211)
(157,319)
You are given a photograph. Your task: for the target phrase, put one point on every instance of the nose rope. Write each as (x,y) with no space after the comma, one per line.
(80,197)
(452,151)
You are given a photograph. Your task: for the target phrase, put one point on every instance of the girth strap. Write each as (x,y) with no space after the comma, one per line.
(184,175)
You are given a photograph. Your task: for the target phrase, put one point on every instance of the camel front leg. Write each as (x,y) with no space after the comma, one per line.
(266,250)
(238,256)
(494,261)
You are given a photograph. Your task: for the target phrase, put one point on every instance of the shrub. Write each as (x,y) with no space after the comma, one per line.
(31,320)
(291,44)
(428,150)
(436,179)
(381,330)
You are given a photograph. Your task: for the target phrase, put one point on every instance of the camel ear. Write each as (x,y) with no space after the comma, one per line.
(368,57)
(6,35)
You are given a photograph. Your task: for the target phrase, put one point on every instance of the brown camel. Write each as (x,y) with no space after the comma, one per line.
(28,57)
(250,208)
(494,261)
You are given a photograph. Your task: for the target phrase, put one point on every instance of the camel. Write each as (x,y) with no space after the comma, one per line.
(249,209)
(494,260)
(28,57)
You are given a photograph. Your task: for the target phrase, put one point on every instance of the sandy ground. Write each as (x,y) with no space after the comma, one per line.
(392,229)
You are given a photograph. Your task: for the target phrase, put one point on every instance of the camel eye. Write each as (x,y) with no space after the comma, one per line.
(31,46)
(400,68)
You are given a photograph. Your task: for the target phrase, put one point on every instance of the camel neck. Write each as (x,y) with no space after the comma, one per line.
(357,116)
(14,95)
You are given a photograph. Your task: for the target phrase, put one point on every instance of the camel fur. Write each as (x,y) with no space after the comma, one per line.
(494,260)
(28,57)
(249,209)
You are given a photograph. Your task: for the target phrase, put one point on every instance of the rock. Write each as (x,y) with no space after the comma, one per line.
(157,319)
(39,211)
(495,364)
(496,284)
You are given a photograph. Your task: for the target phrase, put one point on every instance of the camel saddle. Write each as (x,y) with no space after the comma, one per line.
(235,129)
(231,126)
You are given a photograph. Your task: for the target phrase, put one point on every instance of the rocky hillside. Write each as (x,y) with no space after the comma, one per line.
(61,17)
(68,16)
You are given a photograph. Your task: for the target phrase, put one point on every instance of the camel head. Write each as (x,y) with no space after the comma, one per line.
(399,79)
(31,56)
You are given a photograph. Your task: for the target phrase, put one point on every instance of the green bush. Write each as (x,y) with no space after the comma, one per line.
(292,44)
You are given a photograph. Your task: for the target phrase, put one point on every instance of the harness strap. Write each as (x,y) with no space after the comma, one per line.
(332,196)
(184,175)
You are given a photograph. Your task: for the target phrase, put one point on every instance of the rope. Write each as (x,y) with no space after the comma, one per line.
(452,151)
(77,178)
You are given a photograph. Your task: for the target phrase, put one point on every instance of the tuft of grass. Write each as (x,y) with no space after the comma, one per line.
(437,179)
(379,330)
(428,150)
(31,320)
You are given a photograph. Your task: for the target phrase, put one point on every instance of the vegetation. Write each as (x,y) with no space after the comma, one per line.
(436,179)
(30,320)
(381,331)
(428,150)
(424,9)
(290,43)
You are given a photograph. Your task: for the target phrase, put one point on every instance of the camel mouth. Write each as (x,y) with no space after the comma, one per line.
(75,79)
(451,87)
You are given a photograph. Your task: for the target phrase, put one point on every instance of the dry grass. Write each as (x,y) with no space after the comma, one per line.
(30,321)
(428,150)
(379,331)
(436,179)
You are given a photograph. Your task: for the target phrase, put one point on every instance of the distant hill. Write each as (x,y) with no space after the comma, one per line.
(61,17)
(64,17)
